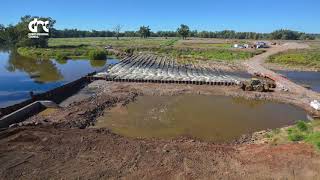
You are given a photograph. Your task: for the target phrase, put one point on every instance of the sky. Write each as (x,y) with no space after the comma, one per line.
(211,15)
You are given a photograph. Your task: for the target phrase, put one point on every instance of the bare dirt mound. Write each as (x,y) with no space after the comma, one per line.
(48,152)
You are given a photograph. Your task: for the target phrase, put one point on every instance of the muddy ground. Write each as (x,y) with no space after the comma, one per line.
(60,144)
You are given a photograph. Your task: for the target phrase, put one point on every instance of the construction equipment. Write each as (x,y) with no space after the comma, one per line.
(260,85)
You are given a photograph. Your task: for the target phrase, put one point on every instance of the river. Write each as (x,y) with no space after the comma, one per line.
(20,75)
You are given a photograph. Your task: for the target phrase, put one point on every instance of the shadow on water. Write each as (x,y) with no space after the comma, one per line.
(213,118)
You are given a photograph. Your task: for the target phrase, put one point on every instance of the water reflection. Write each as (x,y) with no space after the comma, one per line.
(41,70)
(20,75)
(98,63)
(62,61)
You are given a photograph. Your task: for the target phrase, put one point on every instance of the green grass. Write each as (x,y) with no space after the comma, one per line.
(62,48)
(103,41)
(96,54)
(297,58)
(168,43)
(308,132)
(203,54)
(205,45)
(60,53)
(314,139)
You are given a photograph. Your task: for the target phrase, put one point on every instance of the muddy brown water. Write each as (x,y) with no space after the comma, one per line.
(211,118)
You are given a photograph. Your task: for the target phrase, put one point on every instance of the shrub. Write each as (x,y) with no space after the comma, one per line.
(296,137)
(314,138)
(302,126)
(129,50)
(290,130)
(97,54)
(295,134)
(61,56)
(318,145)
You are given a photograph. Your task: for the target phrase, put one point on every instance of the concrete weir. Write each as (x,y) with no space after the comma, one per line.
(158,69)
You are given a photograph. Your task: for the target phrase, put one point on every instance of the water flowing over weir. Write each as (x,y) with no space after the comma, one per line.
(158,69)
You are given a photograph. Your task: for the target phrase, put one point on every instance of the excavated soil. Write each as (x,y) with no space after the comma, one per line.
(59,144)
(51,153)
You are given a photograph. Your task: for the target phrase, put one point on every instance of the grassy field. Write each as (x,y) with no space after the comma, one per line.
(57,53)
(298,58)
(104,41)
(215,54)
(210,43)
(306,58)
(191,49)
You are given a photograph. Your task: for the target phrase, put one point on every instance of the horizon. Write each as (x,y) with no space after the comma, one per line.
(204,15)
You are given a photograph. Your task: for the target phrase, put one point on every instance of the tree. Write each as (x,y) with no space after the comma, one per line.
(22,29)
(285,34)
(18,35)
(117,30)
(2,33)
(144,31)
(183,31)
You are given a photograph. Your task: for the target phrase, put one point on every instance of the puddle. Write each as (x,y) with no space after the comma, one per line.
(213,118)
(311,79)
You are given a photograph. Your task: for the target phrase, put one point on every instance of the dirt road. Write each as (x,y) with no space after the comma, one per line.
(256,65)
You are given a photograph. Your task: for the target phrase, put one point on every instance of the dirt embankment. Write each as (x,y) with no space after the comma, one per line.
(57,147)
(64,153)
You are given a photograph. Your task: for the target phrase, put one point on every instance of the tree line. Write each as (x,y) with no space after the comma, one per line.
(145,32)
(17,34)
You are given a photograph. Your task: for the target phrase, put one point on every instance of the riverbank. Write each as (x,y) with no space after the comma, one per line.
(62,141)
(308,132)
(106,95)
(19,75)
(283,67)
(64,53)
(63,137)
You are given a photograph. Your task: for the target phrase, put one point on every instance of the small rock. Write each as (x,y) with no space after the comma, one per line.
(165,148)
